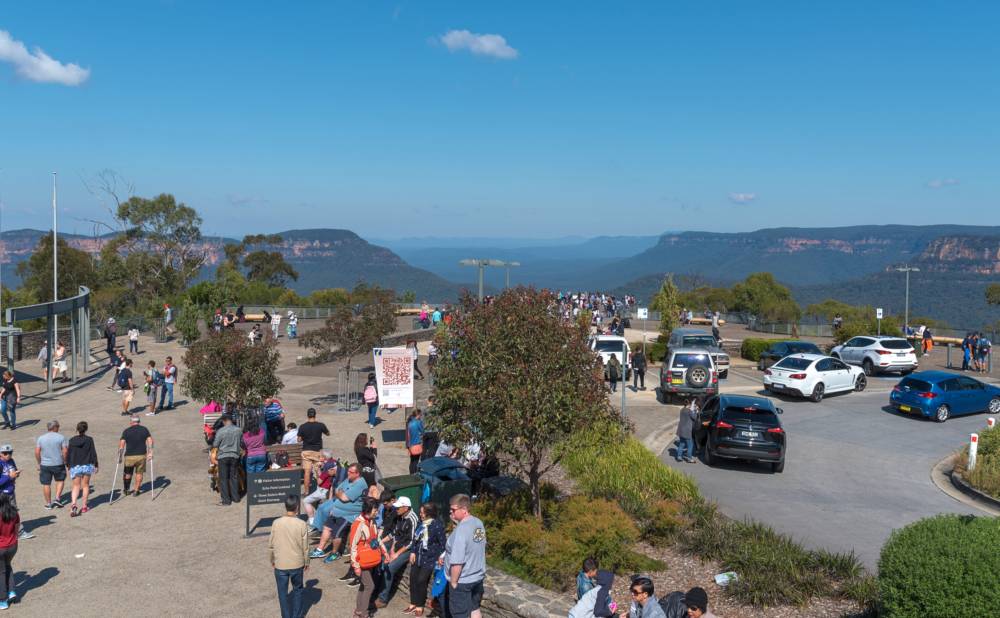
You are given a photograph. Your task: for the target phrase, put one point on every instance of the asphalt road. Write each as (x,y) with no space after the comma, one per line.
(854,470)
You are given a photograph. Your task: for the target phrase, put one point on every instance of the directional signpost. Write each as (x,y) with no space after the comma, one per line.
(878,316)
(271,487)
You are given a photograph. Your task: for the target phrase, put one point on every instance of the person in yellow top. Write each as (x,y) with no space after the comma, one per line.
(289,549)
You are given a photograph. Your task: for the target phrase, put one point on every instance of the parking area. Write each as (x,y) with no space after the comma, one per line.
(855,469)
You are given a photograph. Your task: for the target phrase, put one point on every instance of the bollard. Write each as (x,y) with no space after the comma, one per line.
(991,422)
(973,445)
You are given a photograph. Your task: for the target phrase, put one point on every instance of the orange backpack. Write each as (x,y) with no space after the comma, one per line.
(369,552)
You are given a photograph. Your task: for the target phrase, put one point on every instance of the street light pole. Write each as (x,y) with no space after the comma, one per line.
(508,267)
(482,264)
(906,311)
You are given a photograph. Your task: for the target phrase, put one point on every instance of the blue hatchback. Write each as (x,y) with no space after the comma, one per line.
(940,395)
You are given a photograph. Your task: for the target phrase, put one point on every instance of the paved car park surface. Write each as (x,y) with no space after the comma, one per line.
(855,469)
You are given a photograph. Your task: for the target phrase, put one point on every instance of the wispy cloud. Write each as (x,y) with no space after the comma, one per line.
(742,198)
(492,45)
(239,201)
(38,66)
(941,183)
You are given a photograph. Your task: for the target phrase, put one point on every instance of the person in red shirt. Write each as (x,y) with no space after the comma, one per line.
(10,521)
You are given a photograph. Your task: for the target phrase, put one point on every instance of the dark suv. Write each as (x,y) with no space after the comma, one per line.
(741,427)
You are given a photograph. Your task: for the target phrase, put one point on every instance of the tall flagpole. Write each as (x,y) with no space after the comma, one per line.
(55,261)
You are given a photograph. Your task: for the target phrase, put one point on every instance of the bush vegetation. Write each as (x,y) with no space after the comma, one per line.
(986,476)
(752,348)
(941,566)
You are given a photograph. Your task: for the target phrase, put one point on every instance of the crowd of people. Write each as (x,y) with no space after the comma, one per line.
(157,385)
(602,306)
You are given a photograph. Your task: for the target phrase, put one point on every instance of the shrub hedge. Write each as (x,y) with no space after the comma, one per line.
(751,349)
(942,566)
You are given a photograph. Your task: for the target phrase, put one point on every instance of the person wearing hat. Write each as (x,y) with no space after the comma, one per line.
(110,333)
(8,479)
(226,457)
(137,445)
(697,603)
(399,542)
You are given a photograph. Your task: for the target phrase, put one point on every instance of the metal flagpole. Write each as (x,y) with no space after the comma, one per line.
(55,258)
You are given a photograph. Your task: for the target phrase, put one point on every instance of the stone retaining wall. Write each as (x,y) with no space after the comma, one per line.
(506,596)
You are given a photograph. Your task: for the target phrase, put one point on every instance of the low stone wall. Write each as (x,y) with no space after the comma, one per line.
(506,596)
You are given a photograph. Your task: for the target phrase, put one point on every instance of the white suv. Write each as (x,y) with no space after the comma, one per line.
(607,346)
(878,354)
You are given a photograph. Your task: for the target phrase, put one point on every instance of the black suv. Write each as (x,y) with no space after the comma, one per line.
(741,427)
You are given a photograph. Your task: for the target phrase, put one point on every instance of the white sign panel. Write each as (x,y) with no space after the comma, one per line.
(642,313)
(394,375)
(878,313)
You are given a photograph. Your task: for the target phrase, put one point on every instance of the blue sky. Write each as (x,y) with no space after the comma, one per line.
(574,119)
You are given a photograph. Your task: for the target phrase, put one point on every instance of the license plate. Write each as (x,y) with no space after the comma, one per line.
(676,380)
(903,354)
(905,408)
(749,434)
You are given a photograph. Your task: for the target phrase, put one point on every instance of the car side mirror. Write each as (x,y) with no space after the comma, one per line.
(779,410)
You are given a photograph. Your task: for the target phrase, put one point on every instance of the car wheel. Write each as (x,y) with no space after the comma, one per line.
(778,466)
(994,406)
(817,394)
(869,367)
(697,376)
(861,383)
(709,456)
(905,372)
(942,413)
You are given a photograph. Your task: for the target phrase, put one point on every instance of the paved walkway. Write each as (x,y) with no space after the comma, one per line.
(180,554)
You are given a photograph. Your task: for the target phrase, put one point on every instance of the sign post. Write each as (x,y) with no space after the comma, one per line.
(643,314)
(973,447)
(878,316)
(271,487)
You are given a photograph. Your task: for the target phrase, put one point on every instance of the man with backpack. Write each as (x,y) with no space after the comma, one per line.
(370,396)
(169,379)
(127,386)
(154,380)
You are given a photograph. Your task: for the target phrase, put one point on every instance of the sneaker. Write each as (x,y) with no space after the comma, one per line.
(331,558)
(317,553)
(25,535)
(84,510)
(49,506)
(349,575)
(11,595)
(74,512)
(58,504)
(354,583)
(4,605)
(150,413)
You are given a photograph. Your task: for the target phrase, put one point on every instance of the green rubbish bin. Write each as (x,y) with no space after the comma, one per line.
(409,485)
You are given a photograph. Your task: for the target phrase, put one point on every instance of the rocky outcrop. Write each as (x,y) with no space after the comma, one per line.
(971,254)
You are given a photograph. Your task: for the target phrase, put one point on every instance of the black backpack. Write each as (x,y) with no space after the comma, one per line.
(673,605)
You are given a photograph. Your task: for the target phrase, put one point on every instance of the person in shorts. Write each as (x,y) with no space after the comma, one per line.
(82,464)
(137,444)
(50,453)
(127,384)
(311,435)
(464,561)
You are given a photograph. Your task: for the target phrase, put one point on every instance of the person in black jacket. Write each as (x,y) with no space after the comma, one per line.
(399,544)
(428,545)
(81,459)
(639,369)
(365,451)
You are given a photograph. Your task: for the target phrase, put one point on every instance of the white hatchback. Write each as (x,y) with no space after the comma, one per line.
(813,376)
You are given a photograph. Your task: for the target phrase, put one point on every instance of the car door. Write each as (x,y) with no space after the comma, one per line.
(705,419)
(848,350)
(974,395)
(952,395)
(841,375)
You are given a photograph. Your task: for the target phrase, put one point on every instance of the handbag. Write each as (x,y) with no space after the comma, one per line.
(416,450)
(440,582)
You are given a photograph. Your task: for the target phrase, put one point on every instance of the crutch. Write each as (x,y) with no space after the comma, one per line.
(114,479)
(152,479)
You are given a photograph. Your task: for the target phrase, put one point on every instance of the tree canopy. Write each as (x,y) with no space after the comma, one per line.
(224,367)
(993,294)
(760,294)
(356,329)
(76,268)
(667,302)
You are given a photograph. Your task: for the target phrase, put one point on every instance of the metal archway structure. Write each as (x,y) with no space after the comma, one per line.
(78,309)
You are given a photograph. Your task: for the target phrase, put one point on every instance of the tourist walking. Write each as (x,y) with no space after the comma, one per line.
(639,370)
(311,434)
(370,395)
(687,418)
(59,363)
(8,479)
(429,544)
(119,362)
(254,445)
(169,379)
(404,527)
(366,454)
(226,457)
(366,554)
(464,561)
(275,324)
(614,372)
(50,453)
(412,345)
(289,549)
(415,438)
(82,463)
(10,522)
(110,334)
(133,340)
(168,320)
(43,359)
(137,444)
(127,386)
(10,396)
(154,380)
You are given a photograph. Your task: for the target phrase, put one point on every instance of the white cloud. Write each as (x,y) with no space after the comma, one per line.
(480,44)
(941,183)
(38,66)
(742,198)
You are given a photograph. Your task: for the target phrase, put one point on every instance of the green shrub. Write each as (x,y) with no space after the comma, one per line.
(656,350)
(606,462)
(751,349)
(601,529)
(549,560)
(942,566)
(664,523)
(495,513)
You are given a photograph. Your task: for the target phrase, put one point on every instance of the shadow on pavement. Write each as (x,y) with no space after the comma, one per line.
(39,522)
(393,435)
(310,595)
(159,485)
(25,583)
(917,416)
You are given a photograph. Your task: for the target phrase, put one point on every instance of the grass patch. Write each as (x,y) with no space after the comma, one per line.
(986,476)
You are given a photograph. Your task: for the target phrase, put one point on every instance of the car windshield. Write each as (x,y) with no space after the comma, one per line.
(803,348)
(689,360)
(915,385)
(750,414)
(699,341)
(610,346)
(896,344)
(794,363)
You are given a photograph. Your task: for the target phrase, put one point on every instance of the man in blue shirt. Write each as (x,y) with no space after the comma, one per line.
(346,508)
(436,316)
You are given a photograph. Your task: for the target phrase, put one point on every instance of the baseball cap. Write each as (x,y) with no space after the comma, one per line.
(6,448)
(134,419)
(402,501)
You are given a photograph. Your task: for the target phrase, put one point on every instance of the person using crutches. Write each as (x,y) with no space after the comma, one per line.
(114,477)
(138,446)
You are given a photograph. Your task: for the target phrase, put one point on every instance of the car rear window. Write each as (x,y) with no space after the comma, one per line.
(609,346)
(803,348)
(896,344)
(794,363)
(690,360)
(699,341)
(914,384)
(756,415)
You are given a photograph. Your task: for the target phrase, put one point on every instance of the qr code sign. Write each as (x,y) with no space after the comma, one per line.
(396,371)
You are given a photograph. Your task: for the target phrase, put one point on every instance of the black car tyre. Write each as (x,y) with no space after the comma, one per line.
(994,407)
(697,376)
(778,466)
(869,367)
(817,394)
(905,372)
(942,413)
(709,456)
(861,383)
